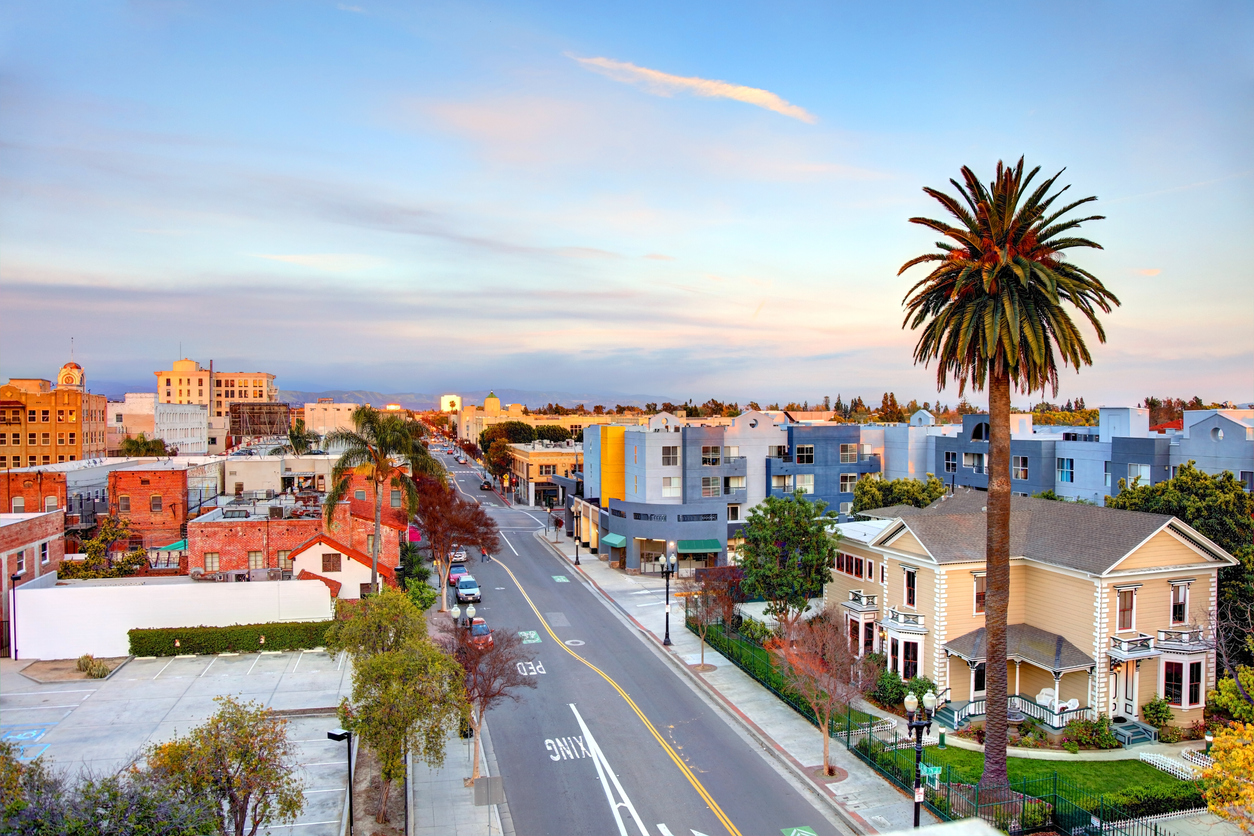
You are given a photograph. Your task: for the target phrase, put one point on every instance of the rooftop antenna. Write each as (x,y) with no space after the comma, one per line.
(71,349)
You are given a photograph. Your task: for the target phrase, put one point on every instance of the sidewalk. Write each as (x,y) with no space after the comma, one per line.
(866,802)
(443,805)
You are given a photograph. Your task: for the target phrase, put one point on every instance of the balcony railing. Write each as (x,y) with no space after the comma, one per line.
(860,600)
(1029,707)
(1183,637)
(1140,646)
(733,459)
(896,618)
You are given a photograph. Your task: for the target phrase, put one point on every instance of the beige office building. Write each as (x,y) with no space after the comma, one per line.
(189,382)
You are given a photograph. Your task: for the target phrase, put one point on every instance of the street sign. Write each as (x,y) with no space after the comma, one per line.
(489,791)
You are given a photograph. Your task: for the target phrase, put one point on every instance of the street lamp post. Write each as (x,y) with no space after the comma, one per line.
(470,615)
(346,735)
(917,722)
(669,562)
(457,615)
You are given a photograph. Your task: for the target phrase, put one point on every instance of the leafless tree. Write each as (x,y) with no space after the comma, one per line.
(494,673)
(446,520)
(1232,637)
(816,660)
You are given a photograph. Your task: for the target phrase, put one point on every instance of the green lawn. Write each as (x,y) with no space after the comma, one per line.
(1097,777)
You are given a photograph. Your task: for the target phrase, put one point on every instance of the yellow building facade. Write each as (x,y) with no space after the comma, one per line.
(189,382)
(532,467)
(45,423)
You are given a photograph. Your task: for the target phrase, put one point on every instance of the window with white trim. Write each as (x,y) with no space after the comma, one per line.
(1019,467)
(1179,603)
(1183,683)
(711,486)
(805,454)
(212,561)
(951,461)
(1106,473)
(780,483)
(710,456)
(911,583)
(805,482)
(848,454)
(20,566)
(1139,472)
(256,560)
(980,587)
(43,554)
(670,456)
(671,486)
(1066,470)
(1126,609)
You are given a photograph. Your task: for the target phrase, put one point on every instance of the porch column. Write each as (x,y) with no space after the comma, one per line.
(1017,691)
(971,666)
(1057,684)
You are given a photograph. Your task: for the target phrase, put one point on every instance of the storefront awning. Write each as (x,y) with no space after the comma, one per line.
(616,541)
(699,546)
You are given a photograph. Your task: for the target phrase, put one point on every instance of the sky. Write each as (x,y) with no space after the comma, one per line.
(682,200)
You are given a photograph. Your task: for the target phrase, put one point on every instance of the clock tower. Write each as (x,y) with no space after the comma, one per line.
(70,377)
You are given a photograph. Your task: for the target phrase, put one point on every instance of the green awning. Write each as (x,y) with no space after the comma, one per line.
(180,546)
(616,541)
(699,546)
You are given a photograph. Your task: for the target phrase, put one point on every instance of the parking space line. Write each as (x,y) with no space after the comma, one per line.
(211,661)
(254,664)
(167,664)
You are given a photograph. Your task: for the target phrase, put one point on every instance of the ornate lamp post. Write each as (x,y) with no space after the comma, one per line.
(917,722)
(669,564)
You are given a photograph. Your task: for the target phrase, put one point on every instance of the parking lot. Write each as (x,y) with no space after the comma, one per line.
(103,725)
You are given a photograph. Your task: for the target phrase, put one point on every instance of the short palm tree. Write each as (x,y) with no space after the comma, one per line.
(994,313)
(142,446)
(384,449)
(299,440)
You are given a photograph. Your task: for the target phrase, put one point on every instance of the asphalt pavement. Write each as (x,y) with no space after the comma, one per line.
(611,740)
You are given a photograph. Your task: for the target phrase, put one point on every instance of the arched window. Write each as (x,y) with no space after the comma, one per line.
(980,433)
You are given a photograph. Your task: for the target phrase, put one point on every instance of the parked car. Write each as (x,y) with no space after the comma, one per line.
(485,485)
(461,459)
(456,572)
(467,590)
(457,554)
(480,635)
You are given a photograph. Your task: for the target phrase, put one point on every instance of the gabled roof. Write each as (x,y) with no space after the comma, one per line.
(386,572)
(1089,538)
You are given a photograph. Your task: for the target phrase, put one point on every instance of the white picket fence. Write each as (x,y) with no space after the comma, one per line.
(1175,767)
(1198,758)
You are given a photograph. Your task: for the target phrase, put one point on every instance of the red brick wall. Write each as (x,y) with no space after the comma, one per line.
(157,528)
(234,539)
(27,536)
(33,487)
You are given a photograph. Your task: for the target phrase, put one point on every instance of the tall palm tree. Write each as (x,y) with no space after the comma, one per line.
(992,313)
(383,448)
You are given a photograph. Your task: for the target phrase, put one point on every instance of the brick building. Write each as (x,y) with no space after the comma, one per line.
(31,545)
(29,491)
(256,536)
(41,424)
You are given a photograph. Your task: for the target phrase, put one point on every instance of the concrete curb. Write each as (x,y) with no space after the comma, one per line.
(850,819)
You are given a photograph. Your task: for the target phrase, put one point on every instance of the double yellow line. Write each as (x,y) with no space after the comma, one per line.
(683,767)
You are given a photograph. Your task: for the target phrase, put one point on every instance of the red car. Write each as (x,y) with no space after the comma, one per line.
(480,635)
(455,572)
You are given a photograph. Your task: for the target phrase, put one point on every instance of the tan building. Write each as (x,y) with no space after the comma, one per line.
(1108,608)
(189,382)
(325,415)
(532,467)
(44,424)
(473,420)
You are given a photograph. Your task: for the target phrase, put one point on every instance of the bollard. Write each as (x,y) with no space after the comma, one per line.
(941,732)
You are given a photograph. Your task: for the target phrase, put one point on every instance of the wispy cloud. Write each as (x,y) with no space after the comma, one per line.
(664,84)
(328,261)
(660,257)
(344,7)
(1150,271)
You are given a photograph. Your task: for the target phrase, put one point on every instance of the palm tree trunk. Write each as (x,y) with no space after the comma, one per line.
(997,588)
(374,547)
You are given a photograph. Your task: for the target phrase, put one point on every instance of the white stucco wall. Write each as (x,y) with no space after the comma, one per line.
(66,621)
(352,574)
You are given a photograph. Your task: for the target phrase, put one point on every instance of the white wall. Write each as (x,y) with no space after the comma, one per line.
(352,574)
(64,622)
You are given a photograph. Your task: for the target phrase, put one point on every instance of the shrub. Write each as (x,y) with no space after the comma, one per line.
(279,635)
(1141,801)
(1034,815)
(1170,734)
(890,690)
(1157,712)
(98,670)
(920,685)
(754,630)
(85,662)
(1071,746)
(1228,699)
(1091,734)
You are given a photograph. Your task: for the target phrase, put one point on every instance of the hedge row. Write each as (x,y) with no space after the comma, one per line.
(1152,801)
(279,635)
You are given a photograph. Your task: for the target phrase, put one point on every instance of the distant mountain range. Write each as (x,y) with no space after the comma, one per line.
(423,400)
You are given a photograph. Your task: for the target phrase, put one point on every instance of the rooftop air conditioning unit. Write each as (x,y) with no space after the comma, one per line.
(276,512)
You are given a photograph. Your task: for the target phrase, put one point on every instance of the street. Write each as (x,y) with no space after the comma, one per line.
(612,740)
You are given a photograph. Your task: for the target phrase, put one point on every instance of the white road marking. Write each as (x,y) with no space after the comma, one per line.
(211,661)
(167,664)
(603,767)
(508,543)
(651,604)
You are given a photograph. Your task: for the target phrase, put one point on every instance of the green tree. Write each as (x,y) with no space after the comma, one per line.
(498,460)
(788,553)
(299,440)
(552,432)
(379,623)
(1231,699)
(421,594)
(383,449)
(242,760)
(410,698)
(97,561)
(993,313)
(515,432)
(884,493)
(141,446)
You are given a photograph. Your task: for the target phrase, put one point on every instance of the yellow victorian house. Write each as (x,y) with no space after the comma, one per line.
(1108,608)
